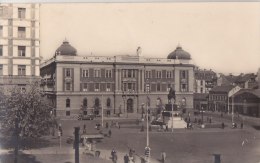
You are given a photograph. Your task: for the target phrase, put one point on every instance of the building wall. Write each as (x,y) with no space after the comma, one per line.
(10,40)
(123,88)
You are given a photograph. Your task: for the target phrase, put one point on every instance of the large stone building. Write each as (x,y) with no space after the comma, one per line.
(19,45)
(122,83)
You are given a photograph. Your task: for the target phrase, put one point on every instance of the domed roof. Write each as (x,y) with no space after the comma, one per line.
(179,53)
(66,49)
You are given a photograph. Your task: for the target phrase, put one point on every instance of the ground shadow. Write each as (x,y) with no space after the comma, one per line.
(22,158)
(29,143)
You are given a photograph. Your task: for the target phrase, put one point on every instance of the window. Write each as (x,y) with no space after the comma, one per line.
(108,87)
(129,86)
(97,102)
(85,73)
(21,70)
(1,31)
(21,32)
(108,73)
(85,87)
(67,113)
(201,90)
(97,74)
(1,69)
(21,51)
(1,11)
(124,73)
(67,72)
(147,74)
(68,86)
(158,87)
(168,74)
(183,87)
(85,103)
(108,102)
(129,73)
(183,75)
(1,50)
(96,87)
(201,82)
(21,13)
(67,103)
(159,74)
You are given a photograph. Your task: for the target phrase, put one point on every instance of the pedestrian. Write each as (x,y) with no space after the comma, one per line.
(210,119)
(84,129)
(113,152)
(223,125)
(167,127)
(126,159)
(242,125)
(163,155)
(109,133)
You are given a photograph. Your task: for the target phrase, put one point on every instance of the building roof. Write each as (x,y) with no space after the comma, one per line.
(66,49)
(207,75)
(179,53)
(222,89)
(244,78)
(255,92)
(200,96)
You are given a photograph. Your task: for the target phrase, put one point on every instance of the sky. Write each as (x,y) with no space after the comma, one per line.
(222,36)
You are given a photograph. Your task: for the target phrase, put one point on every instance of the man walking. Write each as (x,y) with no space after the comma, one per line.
(163,155)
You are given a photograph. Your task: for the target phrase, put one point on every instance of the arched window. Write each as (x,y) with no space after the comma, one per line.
(67,103)
(108,102)
(85,102)
(97,102)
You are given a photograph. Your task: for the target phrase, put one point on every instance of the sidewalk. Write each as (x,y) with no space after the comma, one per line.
(104,154)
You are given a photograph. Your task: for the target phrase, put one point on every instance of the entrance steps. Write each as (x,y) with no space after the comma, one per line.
(177,122)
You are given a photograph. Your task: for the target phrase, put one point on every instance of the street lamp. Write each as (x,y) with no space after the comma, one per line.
(147,148)
(172,112)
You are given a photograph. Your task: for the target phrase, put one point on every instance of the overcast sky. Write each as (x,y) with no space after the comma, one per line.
(221,36)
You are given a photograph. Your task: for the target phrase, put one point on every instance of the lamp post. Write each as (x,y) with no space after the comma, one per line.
(172,113)
(147,148)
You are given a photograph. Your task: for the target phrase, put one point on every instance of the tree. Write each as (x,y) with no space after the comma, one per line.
(28,109)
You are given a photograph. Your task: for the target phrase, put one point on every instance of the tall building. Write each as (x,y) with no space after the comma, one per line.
(118,84)
(19,44)
(205,80)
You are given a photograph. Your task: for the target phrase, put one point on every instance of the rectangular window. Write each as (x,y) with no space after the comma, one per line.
(85,87)
(21,70)
(21,13)
(1,50)
(124,89)
(183,74)
(96,87)
(21,51)
(108,74)
(67,72)
(21,32)
(169,74)
(201,82)
(129,87)
(183,87)
(68,86)
(97,74)
(158,87)
(67,113)
(1,31)
(108,87)
(1,69)
(159,74)
(201,90)
(1,11)
(129,73)
(147,74)
(85,73)
(168,87)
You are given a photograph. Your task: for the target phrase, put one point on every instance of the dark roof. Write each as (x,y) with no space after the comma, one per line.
(200,96)
(66,49)
(179,53)
(222,89)
(255,92)
(244,78)
(207,75)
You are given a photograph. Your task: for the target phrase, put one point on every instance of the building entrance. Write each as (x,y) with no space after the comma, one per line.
(130,106)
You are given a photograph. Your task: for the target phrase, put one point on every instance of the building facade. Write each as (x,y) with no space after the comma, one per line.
(118,84)
(205,80)
(19,44)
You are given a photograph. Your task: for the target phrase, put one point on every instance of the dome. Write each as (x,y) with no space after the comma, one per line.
(66,49)
(179,53)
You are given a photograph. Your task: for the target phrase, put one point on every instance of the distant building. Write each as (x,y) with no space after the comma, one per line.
(19,44)
(247,102)
(220,97)
(247,81)
(205,80)
(118,84)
